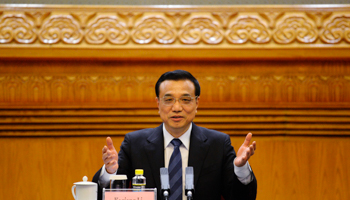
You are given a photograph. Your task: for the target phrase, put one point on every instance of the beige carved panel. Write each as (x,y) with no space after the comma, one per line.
(84,28)
(17,28)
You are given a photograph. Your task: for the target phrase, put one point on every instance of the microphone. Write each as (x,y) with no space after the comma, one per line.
(189,186)
(164,179)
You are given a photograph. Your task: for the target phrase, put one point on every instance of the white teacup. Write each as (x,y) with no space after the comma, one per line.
(85,190)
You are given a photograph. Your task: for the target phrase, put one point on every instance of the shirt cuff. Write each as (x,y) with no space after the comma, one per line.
(243,173)
(104,177)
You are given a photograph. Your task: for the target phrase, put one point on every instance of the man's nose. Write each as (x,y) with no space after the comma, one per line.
(177,106)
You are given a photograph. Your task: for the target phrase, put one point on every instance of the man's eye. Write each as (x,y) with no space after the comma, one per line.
(186,100)
(168,100)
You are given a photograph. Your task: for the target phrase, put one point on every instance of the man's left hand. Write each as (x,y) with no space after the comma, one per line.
(245,151)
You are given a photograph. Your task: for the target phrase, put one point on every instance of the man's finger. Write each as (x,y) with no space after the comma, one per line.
(104,149)
(110,143)
(247,154)
(251,147)
(247,139)
(109,159)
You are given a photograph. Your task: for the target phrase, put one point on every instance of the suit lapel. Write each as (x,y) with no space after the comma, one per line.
(198,151)
(155,153)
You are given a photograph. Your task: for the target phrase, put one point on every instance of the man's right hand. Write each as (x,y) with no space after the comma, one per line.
(110,157)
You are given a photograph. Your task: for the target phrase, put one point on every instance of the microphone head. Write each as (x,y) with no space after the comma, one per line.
(189,178)
(164,178)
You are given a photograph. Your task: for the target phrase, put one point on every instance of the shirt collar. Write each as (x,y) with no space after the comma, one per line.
(185,138)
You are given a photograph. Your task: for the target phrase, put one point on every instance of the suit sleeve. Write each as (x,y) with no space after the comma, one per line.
(96,180)
(233,189)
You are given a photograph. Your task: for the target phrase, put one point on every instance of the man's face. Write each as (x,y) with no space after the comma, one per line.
(177,117)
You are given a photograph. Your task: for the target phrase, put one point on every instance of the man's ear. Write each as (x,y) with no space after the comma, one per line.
(157,100)
(197,103)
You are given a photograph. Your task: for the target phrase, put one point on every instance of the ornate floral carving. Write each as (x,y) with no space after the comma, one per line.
(83,89)
(177,17)
(36,89)
(63,28)
(38,17)
(198,26)
(246,29)
(243,87)
(59,87)
(201,28)
(224,17)
(271,17)
(336,30)
(313,89)
(154,28)
(337,89)
(18,28)
(130,17)
(318,17)
(83,17)
(295,28)
(107,28)
(12,89)
(267,89)
(105,89)
(289,89)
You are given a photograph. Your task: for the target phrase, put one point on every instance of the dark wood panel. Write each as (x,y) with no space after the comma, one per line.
(115,121)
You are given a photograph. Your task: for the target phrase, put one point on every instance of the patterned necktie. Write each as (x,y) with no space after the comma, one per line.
(175,172)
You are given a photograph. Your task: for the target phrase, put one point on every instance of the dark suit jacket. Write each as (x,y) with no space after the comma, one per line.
(210,154)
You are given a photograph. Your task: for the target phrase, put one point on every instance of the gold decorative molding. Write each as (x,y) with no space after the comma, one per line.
(107,28)
(294,29)
(36,89)
(61,28)
(16,28)
(336,30)
(154,29)
(234,31)
(248,29)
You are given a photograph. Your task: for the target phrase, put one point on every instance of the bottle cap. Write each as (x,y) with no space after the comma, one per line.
(138,171)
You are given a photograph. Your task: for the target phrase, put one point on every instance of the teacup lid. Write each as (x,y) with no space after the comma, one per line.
(85,182)
(118,177)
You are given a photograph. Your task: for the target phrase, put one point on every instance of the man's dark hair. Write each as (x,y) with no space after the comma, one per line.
(176,76)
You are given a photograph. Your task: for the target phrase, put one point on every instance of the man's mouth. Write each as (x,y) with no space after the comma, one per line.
(176,118)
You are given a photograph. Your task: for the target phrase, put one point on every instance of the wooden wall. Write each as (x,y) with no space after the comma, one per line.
(72,75)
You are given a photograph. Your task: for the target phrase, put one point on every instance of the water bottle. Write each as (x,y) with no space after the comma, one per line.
(139,181)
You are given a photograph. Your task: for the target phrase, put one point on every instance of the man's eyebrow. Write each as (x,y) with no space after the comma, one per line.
(184,95)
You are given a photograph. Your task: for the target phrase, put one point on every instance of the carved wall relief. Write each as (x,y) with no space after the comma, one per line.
(171,26)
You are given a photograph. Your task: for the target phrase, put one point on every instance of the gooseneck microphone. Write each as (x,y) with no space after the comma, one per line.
(189,187)
(164,179)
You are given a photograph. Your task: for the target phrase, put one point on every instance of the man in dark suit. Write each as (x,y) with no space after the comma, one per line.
(218,170)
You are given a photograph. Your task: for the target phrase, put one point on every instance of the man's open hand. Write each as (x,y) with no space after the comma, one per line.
(245,151)
(110,157)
